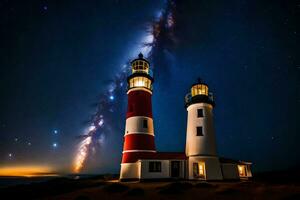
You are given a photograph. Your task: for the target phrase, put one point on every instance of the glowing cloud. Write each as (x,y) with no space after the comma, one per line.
(27,171)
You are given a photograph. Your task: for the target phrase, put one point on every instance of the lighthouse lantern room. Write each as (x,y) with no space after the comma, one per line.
(140,77)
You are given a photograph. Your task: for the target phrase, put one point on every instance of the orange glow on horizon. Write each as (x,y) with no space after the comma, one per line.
(26,171)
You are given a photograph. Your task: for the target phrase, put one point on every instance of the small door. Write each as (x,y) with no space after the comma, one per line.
(242,170)
(199,170)
(175,169)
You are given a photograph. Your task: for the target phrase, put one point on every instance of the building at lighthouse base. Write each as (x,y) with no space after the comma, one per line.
(159,165)
(176,165)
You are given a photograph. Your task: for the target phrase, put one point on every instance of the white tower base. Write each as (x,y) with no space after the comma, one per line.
(210,165)
(130,171)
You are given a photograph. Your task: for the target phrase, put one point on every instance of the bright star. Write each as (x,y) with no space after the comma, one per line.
(55,131)
(54,145)
(111,97)
(10,155)
(101,122)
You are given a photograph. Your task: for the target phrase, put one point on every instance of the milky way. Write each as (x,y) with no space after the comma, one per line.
(156,45)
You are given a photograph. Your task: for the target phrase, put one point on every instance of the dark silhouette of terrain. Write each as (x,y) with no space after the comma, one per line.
(267,185)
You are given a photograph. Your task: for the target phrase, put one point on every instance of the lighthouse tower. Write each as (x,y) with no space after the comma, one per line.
(201,152)
(139,132)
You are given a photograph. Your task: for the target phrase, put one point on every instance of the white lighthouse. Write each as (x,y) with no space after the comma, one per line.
(203,163)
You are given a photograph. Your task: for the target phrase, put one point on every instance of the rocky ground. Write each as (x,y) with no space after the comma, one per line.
(266,186)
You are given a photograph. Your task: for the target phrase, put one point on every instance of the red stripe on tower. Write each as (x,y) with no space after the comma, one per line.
(139,104)
(139,142)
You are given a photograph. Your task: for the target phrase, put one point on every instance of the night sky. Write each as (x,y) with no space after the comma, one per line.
(61,61)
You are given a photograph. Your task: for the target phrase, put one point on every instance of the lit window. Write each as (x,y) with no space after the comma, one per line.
(199,170)
(155,166)
(140,66)
(131,83)
(199,131)
(140,82)
(199,89)
(242,170)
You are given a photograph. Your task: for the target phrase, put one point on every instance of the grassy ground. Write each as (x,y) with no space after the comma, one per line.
(107,188)
(186,190)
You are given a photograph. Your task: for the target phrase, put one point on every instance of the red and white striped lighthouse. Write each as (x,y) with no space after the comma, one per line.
(139,131)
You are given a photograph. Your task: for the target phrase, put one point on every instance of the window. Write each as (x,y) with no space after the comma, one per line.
(242,170)
(140,67)
(199,89)
(154,166)
(199,170)
(145,123)
(199,131)
(200,113)
(140,82)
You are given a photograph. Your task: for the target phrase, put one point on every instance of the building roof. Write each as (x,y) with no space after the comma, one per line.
(228,160)
(140,57)
(166,156)
(182,156)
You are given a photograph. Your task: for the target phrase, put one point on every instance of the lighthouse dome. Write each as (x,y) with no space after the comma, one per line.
(199,94)
(140,65)
(199,88)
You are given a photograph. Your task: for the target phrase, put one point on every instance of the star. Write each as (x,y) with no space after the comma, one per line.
(54,145)
(101,122)
(10,155)
(55,131)
(111,97)
(272,137)
(29,143)
(45,7)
